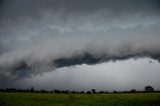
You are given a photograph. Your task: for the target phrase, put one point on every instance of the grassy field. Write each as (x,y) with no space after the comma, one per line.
(48,99)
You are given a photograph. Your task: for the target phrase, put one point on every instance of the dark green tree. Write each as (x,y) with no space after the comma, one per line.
(93,91)
(149,89)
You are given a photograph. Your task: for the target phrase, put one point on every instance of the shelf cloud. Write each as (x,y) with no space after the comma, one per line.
(38,36)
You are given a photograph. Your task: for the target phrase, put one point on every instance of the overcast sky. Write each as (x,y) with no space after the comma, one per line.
(39,37)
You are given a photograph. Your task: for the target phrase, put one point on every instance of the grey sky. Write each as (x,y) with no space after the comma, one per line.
(120,75)
(35,33)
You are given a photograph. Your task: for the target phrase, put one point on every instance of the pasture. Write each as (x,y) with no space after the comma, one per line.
(49,99)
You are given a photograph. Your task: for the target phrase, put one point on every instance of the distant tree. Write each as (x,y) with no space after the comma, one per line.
(124,91)
(57,91)
(43,91)
(73,91)
(32,89)
(19,90)
(93,91)
(101,92)
(2,90)
(11,90)
(66,91)
(114,91)
(82,92)
(149,89)
(88,92)
(132,91)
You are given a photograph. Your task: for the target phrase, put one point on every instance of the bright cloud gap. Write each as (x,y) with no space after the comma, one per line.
(132,74)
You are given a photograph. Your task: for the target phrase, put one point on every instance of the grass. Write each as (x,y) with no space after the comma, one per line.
(47,99)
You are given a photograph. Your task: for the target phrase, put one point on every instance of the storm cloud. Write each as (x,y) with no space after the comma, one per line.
(38,36)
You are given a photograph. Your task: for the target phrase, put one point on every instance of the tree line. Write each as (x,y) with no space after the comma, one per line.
(147,89)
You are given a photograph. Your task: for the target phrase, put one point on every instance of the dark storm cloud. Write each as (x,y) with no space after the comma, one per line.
(89,59)
(40,35)
(33,8)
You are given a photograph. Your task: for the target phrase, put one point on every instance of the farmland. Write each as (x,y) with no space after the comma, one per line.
(49,99)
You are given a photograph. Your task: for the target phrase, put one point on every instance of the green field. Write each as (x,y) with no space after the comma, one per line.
(48,99)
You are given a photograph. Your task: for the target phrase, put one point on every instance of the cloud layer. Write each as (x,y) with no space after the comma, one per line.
(120,76)
(37,36)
